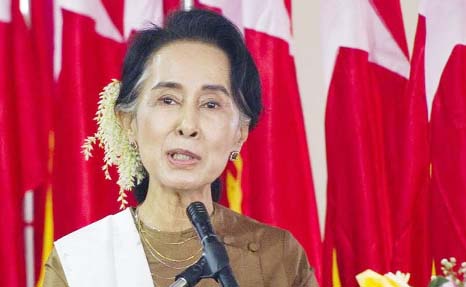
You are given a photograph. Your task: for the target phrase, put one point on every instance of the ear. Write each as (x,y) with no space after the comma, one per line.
(243,135)
(127,122)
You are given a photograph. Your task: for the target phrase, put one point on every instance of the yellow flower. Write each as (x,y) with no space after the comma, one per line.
(370,278)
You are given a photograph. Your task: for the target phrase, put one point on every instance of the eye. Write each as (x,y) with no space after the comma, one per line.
(167,100)
(211,105)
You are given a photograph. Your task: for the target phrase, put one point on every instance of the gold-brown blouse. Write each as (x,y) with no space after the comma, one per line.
(260,255)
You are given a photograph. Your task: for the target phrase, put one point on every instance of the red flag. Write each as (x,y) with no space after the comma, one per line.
(91,37)
(22,157)
(411,246)
(276,179)
(41,18)
(11,249)
(445,74)
(366,70)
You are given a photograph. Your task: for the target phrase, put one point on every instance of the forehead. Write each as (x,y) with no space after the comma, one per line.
(190,63)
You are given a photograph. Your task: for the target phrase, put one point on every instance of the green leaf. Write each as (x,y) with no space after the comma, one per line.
(438,281)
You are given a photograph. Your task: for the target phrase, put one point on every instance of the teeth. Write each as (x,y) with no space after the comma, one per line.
(180,156)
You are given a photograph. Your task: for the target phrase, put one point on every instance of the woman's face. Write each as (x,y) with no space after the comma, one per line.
(186,121)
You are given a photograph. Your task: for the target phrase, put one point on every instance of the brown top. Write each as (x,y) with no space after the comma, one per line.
(260,255)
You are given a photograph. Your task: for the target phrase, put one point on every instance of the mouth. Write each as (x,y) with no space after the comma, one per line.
(182,157)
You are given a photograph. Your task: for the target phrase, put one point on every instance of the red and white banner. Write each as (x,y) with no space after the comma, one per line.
(411,251)
(90,42)
(366,69)
(445,87)
(23,143)
(10,247)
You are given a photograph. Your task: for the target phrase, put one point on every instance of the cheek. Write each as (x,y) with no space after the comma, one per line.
(152,131)
(151,123)
(221,133)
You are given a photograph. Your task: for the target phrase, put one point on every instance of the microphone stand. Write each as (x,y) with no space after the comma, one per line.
(214,262)
(192,275)
(200,270)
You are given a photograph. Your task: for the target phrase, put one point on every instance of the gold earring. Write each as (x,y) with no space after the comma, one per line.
(132,141)
(234,155)
(134,144)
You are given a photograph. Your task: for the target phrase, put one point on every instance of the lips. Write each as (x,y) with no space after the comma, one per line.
(182,158)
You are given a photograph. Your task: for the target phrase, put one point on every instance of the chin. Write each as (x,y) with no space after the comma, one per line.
(186,179)
(184,184)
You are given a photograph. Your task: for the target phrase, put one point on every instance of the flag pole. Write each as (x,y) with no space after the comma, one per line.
(187,5)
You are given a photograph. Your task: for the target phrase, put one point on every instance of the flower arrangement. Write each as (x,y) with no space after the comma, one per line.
(453,276)
(119,150)
(371,278)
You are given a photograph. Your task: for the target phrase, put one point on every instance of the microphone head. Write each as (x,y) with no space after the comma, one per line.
(197,212)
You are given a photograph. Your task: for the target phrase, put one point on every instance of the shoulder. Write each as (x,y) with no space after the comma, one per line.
(104,253)
(54,274)
(230,223)
(94,238)
(98,239)
(283,261)
(98,231)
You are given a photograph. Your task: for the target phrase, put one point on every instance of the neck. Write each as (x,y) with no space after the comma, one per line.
(165,208)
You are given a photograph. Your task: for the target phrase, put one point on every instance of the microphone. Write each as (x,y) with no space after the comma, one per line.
(215,252)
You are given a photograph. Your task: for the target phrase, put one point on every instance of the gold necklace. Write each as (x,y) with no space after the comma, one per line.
(152,248)
(169,243)
(156,254)
(168,265)
(141,228)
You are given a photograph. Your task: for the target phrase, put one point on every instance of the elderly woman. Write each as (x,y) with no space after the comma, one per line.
(189,95)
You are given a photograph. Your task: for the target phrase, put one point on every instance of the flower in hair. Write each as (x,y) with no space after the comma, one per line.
(118,149)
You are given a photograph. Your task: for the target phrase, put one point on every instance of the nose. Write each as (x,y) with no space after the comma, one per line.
(188,124)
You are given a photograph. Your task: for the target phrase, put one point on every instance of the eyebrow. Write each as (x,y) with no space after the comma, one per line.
(178,86)
(216,88)
(171,85)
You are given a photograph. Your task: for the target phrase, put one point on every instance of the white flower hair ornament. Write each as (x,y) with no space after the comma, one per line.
(117,146)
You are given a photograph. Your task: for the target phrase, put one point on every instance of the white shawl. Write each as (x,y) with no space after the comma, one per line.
(107,253)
